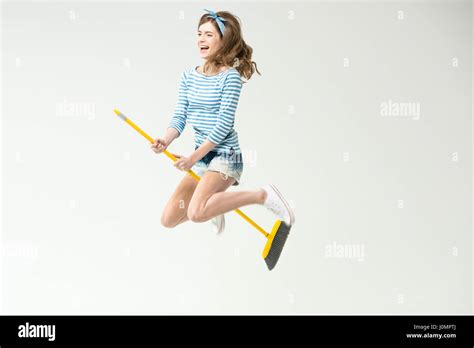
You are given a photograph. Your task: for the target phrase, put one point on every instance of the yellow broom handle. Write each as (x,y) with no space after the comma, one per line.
(190,172)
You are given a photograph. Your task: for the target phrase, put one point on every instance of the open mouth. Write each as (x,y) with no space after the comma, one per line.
(204,48)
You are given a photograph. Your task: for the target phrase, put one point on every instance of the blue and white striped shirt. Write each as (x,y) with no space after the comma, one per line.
(209,103)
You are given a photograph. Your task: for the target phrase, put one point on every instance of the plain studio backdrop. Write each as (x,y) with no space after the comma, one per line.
(362,117)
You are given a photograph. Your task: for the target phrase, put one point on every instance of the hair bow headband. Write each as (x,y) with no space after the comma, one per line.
(219,20)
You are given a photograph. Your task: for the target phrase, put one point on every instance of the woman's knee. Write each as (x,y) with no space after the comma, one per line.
(196,214)
(168,221)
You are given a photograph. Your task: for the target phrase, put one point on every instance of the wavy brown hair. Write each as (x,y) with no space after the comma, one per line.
(233,51)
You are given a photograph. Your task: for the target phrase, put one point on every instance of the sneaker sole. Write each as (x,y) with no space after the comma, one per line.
(285,203)
(222,226)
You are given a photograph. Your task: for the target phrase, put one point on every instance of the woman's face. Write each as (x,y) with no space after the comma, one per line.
(207,36)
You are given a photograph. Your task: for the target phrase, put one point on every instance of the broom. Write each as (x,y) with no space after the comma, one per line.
(276,239)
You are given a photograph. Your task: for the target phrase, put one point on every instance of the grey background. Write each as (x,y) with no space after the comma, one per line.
(82,193)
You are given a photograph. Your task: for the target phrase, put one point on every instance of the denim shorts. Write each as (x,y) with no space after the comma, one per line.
(226,164)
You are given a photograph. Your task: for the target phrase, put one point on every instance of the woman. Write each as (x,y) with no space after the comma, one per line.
(208,98)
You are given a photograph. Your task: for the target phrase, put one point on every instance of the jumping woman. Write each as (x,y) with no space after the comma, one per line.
(208,98)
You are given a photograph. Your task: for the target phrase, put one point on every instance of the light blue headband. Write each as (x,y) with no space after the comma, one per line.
(219,20)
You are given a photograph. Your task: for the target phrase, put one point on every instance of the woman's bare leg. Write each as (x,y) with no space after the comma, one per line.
(175,211)
(210,200)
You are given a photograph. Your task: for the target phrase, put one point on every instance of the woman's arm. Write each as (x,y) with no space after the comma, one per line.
(178,121)
(171,134)
(202,150)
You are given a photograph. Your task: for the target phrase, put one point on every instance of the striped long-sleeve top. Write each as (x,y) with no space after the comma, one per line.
(209,103)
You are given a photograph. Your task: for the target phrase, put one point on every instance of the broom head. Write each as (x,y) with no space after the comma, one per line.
(275,243)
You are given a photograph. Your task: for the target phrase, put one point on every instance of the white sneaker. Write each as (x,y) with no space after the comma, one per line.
(276,203)
(218,223)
